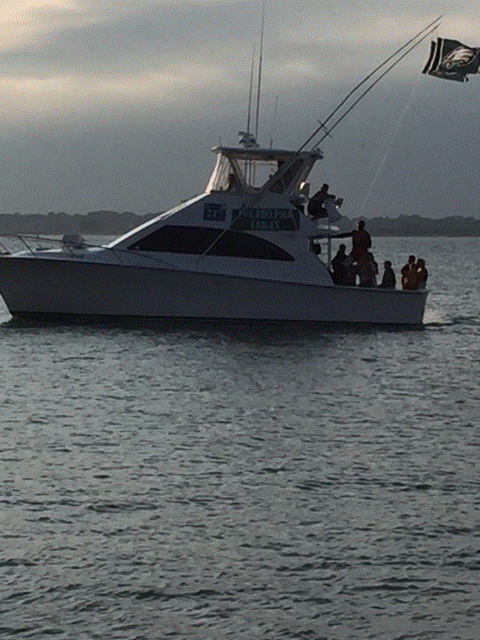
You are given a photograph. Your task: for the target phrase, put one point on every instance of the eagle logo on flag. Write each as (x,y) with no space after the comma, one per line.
(458,57)
(452,60)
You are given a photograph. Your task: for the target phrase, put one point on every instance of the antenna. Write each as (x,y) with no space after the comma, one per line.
(260,71)
(250,92)
(321,126)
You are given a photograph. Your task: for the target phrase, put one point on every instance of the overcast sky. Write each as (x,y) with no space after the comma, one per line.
(115,105)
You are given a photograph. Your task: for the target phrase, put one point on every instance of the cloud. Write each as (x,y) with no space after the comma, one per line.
(181,52)
(143,89)
(21,20)
(152,36)
(130,39)
(189,54)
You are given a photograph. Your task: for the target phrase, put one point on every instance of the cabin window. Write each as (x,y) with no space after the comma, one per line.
(292,172)
(284,181)
(227,176)
(218,242)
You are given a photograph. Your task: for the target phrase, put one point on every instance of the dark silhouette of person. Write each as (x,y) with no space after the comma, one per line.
(340,266)
(388,278)
(316,210)
(421,274)
(232,184)
(408,273)
(367,270)
(361,242)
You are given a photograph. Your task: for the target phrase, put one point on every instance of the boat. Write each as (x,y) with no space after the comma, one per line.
(245,249)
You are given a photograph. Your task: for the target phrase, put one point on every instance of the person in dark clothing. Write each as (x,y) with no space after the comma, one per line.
(316,210)
(367,270)
(340,266)
(361,242)
(421,274)
(408,273)
(388,278)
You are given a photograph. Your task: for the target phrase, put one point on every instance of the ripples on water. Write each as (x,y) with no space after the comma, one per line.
(213,481)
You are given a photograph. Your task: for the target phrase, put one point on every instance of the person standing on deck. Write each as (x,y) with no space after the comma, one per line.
(388,279)
(340,266)
(408,273)
(367,270)
(420,275)
(361,242)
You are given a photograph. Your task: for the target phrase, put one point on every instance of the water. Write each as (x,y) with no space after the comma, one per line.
(212,481)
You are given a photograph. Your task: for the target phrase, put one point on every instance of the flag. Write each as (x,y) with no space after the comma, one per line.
(452,60)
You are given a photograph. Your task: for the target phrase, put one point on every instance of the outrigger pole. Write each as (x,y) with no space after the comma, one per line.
(429,29)
(371,87)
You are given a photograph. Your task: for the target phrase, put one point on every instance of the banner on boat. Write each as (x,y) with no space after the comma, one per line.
(265,220)
(452,60)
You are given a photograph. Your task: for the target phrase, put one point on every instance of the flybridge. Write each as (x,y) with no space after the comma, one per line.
(242,170)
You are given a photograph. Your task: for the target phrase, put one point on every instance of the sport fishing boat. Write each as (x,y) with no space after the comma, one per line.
(245,249)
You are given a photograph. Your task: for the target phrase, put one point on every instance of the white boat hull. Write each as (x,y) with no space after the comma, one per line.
(38,286)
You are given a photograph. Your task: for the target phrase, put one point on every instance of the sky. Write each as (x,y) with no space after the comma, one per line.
(116,105)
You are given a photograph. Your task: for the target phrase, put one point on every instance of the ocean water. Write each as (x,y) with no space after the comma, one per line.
(211,481)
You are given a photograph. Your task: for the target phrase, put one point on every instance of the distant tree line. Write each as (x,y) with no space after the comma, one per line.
(115,223)
(414,226)
(93,223)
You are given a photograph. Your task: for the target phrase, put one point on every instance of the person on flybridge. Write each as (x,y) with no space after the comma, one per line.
(316,209)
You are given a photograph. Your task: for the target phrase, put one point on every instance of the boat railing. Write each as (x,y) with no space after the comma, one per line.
(36,245)
(11,243)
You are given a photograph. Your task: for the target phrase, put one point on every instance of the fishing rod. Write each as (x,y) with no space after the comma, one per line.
(370,87)
(372,73)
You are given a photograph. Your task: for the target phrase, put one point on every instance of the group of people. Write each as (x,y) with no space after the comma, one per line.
(414,274)
(360,264)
